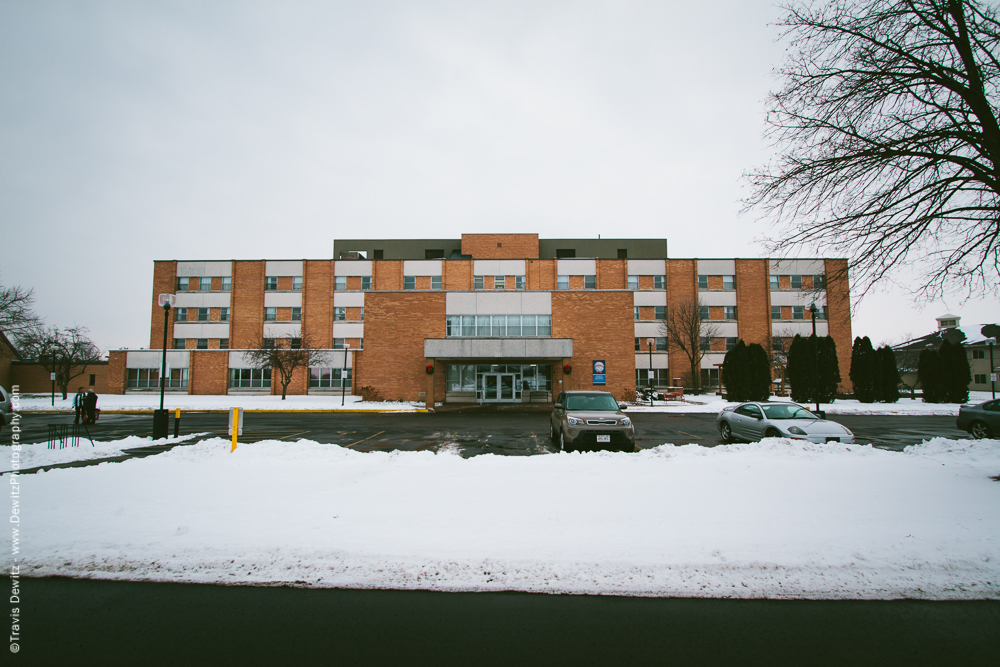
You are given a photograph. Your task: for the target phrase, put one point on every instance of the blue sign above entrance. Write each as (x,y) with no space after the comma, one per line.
(600,377)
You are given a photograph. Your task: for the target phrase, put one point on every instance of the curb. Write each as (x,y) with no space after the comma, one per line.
(219,411)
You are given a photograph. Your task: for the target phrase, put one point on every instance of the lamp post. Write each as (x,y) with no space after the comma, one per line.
(993,369)
(649,374)
(343,374)
(814,310)
(161,417)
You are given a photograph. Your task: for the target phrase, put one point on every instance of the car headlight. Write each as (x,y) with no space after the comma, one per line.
(796,430)
(573,421)
(626,421)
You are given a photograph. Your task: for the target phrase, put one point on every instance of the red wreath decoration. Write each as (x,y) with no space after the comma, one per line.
(567,369)
(429,369)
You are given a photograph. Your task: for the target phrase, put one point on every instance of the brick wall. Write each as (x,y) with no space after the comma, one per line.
(396,325)
(117,374)
(753,301)
(838,300)
(500,246)
(388,275)
(611,274)
(164,282)
(600,324)
(456,275)
(208,372)
(682,286)
(34,378)
(7,357)
(247,315)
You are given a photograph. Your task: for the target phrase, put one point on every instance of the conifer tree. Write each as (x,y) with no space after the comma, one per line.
(957,374)
(829,369)
(734,371)
(759,373)
(890,374)
(930,374)
(862,373)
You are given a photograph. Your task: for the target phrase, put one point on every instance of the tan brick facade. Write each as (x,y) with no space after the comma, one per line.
(247,314)
(208,372)
(838,298)
(600,324)
(164,282)
(753,301)
(500,246)
(682,287)
(396,324)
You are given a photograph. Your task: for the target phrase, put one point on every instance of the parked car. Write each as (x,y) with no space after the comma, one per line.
(590,420)
(4,408)
(753,421)
(982,420)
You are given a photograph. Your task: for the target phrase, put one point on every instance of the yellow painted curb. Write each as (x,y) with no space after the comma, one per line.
(215,411)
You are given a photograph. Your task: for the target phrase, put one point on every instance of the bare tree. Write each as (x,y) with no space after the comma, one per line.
(889,139)
(687,329)
(17,318)
(65,352)
(283,356)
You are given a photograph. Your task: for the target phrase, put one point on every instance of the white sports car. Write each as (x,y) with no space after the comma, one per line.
(753,421)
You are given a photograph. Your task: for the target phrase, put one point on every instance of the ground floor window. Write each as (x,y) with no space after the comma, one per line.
(329,378)
(463,377)
(246,378)
(709,377)
(661,377)
(149,378)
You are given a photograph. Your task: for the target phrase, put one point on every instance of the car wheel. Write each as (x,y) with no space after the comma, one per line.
(772,433)
(727,431)
(980,430)
(563,445)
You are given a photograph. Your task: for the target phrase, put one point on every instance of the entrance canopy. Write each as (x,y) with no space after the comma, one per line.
(498,348)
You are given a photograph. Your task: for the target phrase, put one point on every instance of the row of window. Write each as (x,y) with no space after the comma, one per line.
(271,314)
(499,325)
(200,314)
(797,313)
(659,282)
(728,282)
(659,312)
(271,283)
(319,378)
(465,377)
(203,284)
(149,378)
(796,282)
(200,343)
(295,343)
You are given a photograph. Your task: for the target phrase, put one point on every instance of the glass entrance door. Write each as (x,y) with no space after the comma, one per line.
(500,387)
(491,383)
(507,387)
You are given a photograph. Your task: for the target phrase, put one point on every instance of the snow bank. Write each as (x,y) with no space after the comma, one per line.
(775,519)
(149,402)
(39,454)
(712,403)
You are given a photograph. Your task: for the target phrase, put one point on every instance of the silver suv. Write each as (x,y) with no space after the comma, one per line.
(590,420)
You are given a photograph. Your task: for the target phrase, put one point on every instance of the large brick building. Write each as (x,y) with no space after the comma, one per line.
(488,317)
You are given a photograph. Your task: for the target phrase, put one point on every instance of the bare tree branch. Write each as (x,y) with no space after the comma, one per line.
(17,318)
(65,352)
(687,329)
(282,358)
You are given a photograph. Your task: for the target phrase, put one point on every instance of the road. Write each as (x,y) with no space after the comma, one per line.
(81,622)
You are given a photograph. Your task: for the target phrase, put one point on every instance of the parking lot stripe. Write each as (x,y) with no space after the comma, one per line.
(363,439)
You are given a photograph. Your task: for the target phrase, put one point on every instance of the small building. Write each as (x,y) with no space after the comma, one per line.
(975,338)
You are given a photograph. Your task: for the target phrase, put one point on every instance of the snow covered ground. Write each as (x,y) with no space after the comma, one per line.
(39,454)
(150,402)
(775,519)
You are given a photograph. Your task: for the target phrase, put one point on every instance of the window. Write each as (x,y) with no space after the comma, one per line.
(518,282)
(709,377)
(731,342)
(562,282)
(728,282)
(498,282)
(93,379)
(296,344)
(338,343)
(775,312)
(366,282)
(622,253)
(149,378)
(180,314)
(435,282)
(223,343)
(796,282)
(249,378)
(409,282)
(659,282)
(271,283)
(590,282)
(178,343)
(201,344)
(777,344)
(203,314)
(702,282)
(633,282)
(268,343)
(478,282)
(635,311)
(562,253)
(362,316)
(703,312)
(638,345)
(798,313)
(774,283)
(227,283)
(978,354)
(297,283)
(339,313)
(182,284)
(819,282)
(270,314)
(979,378)
(329,378)
(706,344)
(499,325)
(378,254)
(223,314)
(821,313)
(296,314)
(361,343)
(340,283)
(659,312)
(661,343)
(730,312)
(206,284)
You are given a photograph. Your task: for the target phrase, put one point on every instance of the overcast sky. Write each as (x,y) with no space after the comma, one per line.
(133,131)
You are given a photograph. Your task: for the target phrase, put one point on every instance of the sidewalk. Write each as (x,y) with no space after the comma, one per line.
(146,403)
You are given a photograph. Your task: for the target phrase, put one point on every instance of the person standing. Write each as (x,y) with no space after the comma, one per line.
(90,405)
(78,401)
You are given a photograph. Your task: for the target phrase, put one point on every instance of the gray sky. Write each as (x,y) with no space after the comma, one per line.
(133,131)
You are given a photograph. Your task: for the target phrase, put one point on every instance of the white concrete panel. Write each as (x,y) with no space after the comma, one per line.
(282,329)
(536,303)
(717,298)
(203,300)
(352,267)
(711,359)
(335,359)
(348,329)
(655,298)
(716,267)
(800,327)
(498,267)
(422,267)
(798,298)
(349,299)
(648,329)
(283,268)
(576,267)
(282,299)
(201,330)
(203,269)
(797,266)
(237,360)
(647,267)
(153,358)
(659,359)
(460,303)
(498,348)
(725,329)
(498,303)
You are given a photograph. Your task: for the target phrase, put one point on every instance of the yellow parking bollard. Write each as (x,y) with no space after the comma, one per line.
(235,425)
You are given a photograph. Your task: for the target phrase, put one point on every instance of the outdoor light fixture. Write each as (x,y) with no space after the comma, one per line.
(649,374)
(814,310)
(161,416)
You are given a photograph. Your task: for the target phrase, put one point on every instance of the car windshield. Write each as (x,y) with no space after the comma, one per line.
(591,402)
(790,411)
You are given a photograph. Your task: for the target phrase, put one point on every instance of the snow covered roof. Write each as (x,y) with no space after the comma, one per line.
(973,334)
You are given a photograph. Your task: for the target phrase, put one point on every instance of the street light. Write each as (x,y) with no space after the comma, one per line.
(343,374)
(993,369)
(814,310)
(160,417)
(649,374)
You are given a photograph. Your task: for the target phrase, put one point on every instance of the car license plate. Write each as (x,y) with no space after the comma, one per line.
(604,438)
